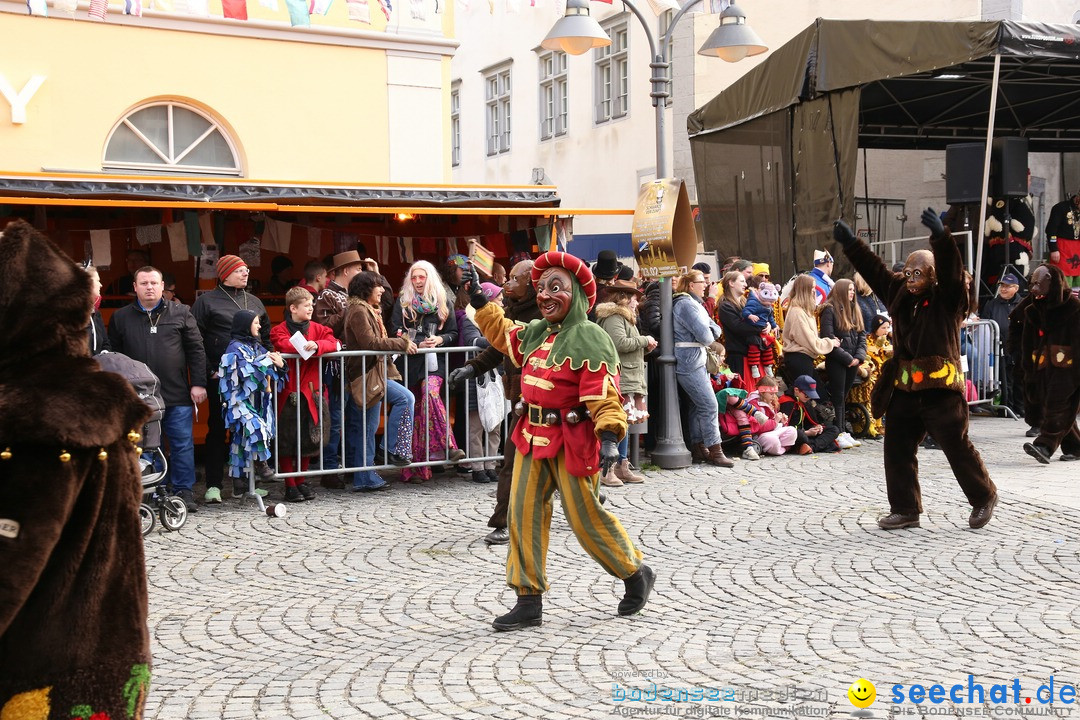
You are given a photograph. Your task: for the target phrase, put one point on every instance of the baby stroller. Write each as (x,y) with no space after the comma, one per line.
(157,503)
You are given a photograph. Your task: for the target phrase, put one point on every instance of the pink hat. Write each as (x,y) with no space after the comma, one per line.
(491,290)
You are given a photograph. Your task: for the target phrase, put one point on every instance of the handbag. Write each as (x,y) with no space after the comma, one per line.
(713,361)
(490,401)
(369,389)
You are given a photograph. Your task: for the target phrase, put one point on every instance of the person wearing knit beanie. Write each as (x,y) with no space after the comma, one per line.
(227,265)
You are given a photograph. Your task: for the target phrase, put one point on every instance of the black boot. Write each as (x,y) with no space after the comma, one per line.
(638,587)
(526,613)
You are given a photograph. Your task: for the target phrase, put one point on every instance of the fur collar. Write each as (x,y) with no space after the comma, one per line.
(608,309)
(68,402)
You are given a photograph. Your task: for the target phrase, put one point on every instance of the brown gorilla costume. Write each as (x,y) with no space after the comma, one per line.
(73,634)
(924,376)
(1050,358)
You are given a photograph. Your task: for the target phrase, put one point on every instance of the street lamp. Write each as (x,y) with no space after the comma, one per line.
(733,39)
(576,33)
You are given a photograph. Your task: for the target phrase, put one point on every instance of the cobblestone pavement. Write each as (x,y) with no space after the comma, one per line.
(771,576)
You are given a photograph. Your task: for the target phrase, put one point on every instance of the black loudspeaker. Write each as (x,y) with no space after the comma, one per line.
(963,172)
(1009,167)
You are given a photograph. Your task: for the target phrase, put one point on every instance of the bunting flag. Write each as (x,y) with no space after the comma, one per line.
(148,234)
(191,232)
(178,249)
(206,228)
(359,10)
(133,7)
(270,5)
(277,236)
(417,9)
(405,250)
(299,15)
(382,250)
(1070,256)
(662,6)
(101,247)
(98,9)
(37,7)
(65,8)
(235,9)
(564,230)
(513,6)
(314,242)
(319,7)
(386,8)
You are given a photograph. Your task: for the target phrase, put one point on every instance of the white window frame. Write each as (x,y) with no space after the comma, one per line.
(172,158)
(497,87)
(554,94)
(455,123)
(612,73)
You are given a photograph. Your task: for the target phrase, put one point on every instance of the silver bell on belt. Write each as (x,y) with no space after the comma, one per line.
(519,408)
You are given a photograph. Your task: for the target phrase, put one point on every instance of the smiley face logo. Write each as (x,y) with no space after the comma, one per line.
(862,693)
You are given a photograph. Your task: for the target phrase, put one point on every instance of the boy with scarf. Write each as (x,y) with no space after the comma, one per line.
(570,425)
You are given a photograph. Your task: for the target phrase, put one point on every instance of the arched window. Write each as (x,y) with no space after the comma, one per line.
(170,137)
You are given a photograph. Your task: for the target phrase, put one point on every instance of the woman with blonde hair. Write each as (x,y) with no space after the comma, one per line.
(694,331)
(423,314)
(802,344)
(841,319)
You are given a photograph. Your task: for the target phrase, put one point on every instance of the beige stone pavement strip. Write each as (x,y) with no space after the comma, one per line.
(771,576)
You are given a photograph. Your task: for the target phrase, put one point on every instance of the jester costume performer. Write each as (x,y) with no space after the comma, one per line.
(571,420)
(247,377)
(922,387)
(73,635)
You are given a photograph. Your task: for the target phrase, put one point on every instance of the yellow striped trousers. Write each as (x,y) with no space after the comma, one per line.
(598,531)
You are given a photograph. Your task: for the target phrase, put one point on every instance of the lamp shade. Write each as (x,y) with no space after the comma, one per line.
(733,39)
(576,32)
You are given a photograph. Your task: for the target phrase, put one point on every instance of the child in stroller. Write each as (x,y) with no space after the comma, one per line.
(157,502)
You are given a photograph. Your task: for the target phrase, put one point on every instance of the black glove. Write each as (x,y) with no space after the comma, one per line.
(476,293)
(609,451)
(932,221)
(459,376)
(841,232)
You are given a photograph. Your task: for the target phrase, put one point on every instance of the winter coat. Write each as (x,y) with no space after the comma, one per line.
(739,333)
(649,313)
(364,330)
(214,311)
(472,337)
(692,325)
(73,602)
(307,384)
(852,342)
(522,311)
(870,307)
(618,322)
(998,310)
(427,325)
(801,334)
(170,353)
(330,309)
(99,339)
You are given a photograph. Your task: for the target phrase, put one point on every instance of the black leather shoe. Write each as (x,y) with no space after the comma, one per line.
(306,491)
(1038,452)
(638,587)
(1067,457)
(292,494)
(493,474)
(498,536)
(1032,432)
(528,612)
(397,460)
(982,514)
(479,476)
(898,521)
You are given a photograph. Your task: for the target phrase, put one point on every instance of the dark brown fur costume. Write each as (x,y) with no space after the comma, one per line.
(924,327)
(1050,358)
(73,604)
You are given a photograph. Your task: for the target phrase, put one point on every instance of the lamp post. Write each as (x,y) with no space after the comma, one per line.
(577,33)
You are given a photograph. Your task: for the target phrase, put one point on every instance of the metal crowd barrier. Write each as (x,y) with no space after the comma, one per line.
(340,389)
(980,344)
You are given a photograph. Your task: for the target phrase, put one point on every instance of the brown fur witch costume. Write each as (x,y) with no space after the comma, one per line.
(921,387)
(73,636)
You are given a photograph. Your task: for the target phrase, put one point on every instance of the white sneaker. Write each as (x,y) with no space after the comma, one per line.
(750,454)
(843,443)
(848,437)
